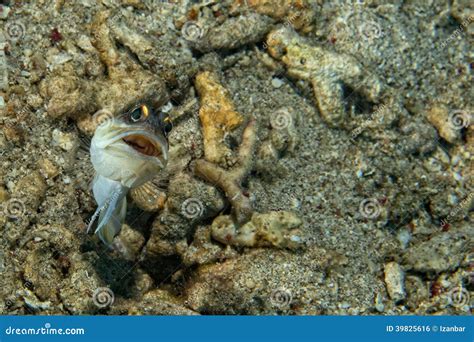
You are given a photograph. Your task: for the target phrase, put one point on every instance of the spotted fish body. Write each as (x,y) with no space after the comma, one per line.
(126,152)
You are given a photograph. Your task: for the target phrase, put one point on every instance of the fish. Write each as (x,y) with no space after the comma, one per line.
(126,152)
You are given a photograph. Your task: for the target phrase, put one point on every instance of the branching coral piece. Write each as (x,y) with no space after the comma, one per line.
(326,70)
(103,42)
(230,180)
(218,116)
(272,229)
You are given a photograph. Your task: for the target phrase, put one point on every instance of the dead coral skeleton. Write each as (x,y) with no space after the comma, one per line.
(218,116)
(327,71)
(230,180)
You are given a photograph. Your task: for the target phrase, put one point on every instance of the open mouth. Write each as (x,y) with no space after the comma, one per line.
(143,145)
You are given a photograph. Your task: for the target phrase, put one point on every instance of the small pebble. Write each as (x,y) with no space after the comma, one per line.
(455,160)
(250,283)
(395,281)
(277,83)
(4,11)
(404,237)
(453,199)
(64,140)
(295,203)
(344,305)
(379,307)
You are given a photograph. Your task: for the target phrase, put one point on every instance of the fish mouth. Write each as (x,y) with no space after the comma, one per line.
(142,144)
(147,145)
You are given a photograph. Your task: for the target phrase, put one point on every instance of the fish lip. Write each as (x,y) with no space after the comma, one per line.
(157,141)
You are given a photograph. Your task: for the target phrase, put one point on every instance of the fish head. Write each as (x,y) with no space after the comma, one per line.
(133,146)
(146,132)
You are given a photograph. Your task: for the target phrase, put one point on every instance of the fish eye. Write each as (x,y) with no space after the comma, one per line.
(167,125)
(136,115)
(139,113)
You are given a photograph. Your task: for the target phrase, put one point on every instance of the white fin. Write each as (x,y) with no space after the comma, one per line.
(112,206)
(111,221)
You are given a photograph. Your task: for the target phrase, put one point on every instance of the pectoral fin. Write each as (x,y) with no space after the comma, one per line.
(110,221)
(111,197)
